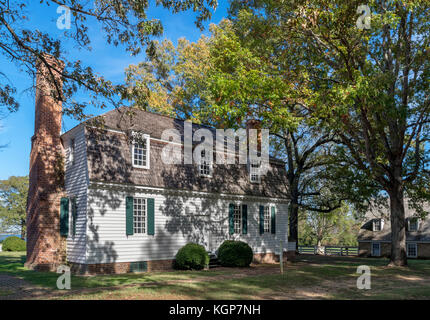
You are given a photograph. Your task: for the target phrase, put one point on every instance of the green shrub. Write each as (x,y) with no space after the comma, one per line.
(235,254)
(192,256)
(13,244)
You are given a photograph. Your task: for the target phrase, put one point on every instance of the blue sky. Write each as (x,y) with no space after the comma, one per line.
(17,128)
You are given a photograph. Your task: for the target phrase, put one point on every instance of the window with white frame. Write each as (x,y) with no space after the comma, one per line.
(237,219)
(72,152)
(254,172)
(413,224)
(141,152)
(411,250)
(267,219)
(205,167)
(139,215)
(377,225)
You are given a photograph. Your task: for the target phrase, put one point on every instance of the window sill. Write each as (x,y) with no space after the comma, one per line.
(140,235)
(141,167)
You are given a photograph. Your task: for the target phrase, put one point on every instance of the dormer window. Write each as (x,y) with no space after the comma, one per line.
(413,224)
(254,172)
(140,152)
(205,167)
(378,224)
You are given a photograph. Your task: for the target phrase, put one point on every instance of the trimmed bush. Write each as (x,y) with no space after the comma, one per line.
(192,256)
(235,254)
(13,244)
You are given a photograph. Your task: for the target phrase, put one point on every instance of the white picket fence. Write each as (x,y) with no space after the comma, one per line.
(329,250)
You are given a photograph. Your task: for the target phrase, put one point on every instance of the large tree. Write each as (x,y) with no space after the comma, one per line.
(13,200)
(227,78)
(122,22)
(369,85)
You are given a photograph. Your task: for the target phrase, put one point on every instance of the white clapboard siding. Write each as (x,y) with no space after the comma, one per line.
(76,181)
(178,221)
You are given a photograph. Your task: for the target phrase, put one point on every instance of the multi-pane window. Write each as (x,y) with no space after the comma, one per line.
(376,249)
(205,164)
(237,219)
(254,172)
(267,219)
(141,153)
(413,224)
(139,215)
(377,225)
(412,251)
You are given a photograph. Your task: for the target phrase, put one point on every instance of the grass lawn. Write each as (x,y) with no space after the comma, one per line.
(311,277)
(12,263)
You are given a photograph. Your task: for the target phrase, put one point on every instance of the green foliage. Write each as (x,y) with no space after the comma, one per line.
(215,80)
(123,23)
(13,202)
(13,244)
(338,227)
(369,87)
(235,254)
(229,77)
(192,256)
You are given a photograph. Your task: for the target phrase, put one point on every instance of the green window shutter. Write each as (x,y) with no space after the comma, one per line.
(231,218)
(244,219)
(129,215)
(150,216)
(273,222)
(64,216)
(261,219)
(74,215)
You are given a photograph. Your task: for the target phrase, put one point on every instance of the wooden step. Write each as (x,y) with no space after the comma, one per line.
(213,261)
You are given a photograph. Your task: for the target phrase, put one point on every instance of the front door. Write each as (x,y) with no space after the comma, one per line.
(376,249)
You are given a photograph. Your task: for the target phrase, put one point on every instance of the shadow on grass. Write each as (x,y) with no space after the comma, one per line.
(321,278)
(247,287)
(12,263)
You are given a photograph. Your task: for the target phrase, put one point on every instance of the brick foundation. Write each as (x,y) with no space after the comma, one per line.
(271,257)
(291,255)
(161,265)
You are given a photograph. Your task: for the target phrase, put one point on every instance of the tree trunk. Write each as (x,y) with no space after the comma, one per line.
(398,232)
(23,231)
(294,221)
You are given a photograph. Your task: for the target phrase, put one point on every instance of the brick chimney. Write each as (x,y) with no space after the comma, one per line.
(45,246)
(254,124)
